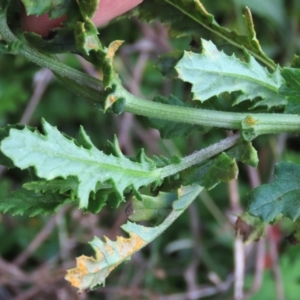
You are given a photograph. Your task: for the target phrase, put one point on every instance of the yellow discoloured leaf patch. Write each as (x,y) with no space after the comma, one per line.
(250,120)
(112,49)
(112,99)
(75,275)
(107,259)
(180,191)
(91,272)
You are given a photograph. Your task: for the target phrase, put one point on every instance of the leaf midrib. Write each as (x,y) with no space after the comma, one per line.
(239,76)
(110,167)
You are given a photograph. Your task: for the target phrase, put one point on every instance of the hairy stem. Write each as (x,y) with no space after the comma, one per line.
(200,156)
(263,123)
(47,61)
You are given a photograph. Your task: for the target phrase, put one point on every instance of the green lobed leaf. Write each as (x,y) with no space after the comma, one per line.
(53,155)
(279,197)
(189,17)
(213,72)
(28,202)
(104,191)
(91,272)
(58,8)
(4,133)
(88,7)
(38,7)
(104,195)
(60,186)
(291,89)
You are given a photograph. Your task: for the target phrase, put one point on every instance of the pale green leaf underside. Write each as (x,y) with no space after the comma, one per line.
(91,272)
(279,197)
(53,155)
(213,72)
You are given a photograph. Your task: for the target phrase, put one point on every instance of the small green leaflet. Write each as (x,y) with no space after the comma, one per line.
(38,7)
(58,8)
(272,11)
(91,272)
(245,153)
(60,186)
(213,72)
(220,169)
(53,155)
(28,202)
(291,89)
(151,209)
(279,197)
(87,7)
(79,35)
(104,192)
(4,132)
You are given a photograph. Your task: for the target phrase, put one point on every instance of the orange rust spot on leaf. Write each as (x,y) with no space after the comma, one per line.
(72,276)
(75,275)
(92,46)
(179,192)
(112,49)
(250,120)
(131,245)
(123,248)
(112,99)
(109,250)
(99,254)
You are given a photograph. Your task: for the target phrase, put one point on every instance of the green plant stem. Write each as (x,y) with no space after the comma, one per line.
(47,61)
(264,123)
(92,89)
(200,156)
